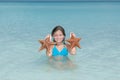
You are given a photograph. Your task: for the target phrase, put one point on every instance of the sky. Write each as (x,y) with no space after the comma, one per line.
(59,0)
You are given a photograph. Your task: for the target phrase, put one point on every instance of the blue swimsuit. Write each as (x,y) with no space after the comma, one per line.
(56,52)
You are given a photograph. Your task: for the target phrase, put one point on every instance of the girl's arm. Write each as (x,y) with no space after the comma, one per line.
(73,50)
(49,53)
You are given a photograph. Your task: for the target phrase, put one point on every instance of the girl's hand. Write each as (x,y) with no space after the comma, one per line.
(71,33)
(48,36)
(73,50)
(49,53)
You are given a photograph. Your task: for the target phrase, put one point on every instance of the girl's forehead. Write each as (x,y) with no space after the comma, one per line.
(58,32)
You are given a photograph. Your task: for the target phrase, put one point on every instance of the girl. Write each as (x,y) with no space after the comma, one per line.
(58,52)
(60,48)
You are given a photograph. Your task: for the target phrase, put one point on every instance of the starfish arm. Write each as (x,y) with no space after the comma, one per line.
(48,43)
(72,45)
(78,45)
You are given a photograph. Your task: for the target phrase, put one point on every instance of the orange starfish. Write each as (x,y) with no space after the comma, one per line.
(74,41)
(46,44)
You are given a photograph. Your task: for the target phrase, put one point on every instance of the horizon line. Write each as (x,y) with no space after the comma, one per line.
(61,1)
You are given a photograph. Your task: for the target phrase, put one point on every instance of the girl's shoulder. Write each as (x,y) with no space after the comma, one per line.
(52,46)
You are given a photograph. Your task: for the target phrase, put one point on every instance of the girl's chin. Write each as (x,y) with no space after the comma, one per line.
(58,42)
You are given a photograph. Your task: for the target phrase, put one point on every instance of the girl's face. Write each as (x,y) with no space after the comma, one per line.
(58,36)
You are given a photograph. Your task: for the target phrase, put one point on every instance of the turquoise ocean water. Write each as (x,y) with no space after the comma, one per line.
(23,24)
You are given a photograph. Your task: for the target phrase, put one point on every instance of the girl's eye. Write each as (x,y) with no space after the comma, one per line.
(58,35)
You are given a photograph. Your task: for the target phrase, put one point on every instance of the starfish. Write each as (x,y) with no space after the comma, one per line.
(74,41)
(46,44)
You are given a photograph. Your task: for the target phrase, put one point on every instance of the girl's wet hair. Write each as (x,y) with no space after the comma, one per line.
(58,28)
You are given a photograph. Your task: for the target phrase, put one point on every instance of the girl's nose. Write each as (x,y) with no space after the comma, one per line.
(57,36)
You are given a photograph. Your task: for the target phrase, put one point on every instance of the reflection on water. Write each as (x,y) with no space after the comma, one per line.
(61,62)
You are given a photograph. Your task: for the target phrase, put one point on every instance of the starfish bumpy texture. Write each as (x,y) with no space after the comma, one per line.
(46,44)
(74,42)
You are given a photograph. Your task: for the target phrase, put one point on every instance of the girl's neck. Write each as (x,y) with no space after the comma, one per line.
(59,44)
